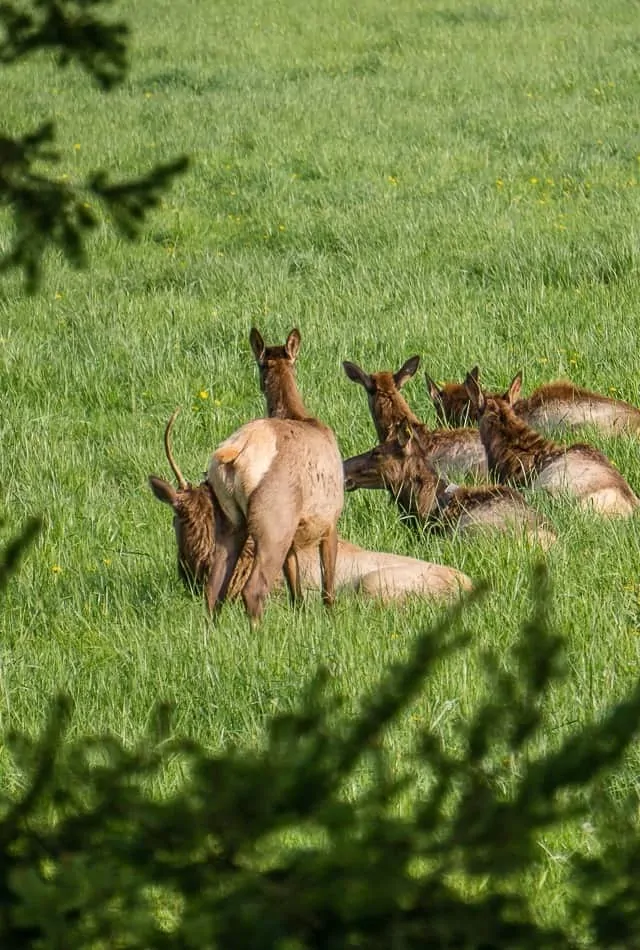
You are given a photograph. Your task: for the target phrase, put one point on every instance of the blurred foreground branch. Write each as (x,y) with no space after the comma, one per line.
(46,209)
(267,849)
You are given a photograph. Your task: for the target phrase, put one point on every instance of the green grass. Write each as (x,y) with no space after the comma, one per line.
(457,180)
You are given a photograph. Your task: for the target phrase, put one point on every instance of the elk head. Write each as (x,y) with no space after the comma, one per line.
(195,515)
(451,401)
(387,405)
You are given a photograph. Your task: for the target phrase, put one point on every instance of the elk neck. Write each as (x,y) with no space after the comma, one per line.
(281,394)
(514,450)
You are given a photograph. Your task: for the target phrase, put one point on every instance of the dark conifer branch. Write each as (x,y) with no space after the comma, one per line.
(71,30)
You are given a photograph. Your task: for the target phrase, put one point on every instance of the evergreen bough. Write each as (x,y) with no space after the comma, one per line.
(266,849)
(46,210)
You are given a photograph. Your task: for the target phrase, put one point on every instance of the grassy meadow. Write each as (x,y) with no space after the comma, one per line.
(459,180)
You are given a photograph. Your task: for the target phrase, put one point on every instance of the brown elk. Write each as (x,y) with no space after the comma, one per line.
(204,538)
(559,404)
(451,451)
(519,454)
(401,466)
(276,365)
(208,545)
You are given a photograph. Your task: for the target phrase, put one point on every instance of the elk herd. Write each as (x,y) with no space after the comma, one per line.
(269,505)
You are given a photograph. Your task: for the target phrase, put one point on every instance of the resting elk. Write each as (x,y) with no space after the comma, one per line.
(519,454)
(401,466)
(453,452)
(205,536)
(559,404)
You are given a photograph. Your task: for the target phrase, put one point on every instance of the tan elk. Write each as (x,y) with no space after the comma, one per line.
(555,405)
(205,536)
(453,452)
(519,454)
(311,457)
(400,466)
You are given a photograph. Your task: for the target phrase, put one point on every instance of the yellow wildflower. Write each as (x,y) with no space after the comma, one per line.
(56,569)
(203,394)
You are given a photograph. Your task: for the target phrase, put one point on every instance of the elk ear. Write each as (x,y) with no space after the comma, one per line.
(404,433)
(434,391)
(474,373)
(358,375)
(257,345)
(475,394)
(163,490)
(292,346)
(406,371)
(513,392)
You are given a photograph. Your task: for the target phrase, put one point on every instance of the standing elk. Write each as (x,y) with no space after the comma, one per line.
(311,459)
(400,466)
(453,452)
(559,404)
(519,454)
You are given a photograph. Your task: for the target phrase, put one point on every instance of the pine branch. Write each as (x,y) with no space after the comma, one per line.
(69,28)
(50,212)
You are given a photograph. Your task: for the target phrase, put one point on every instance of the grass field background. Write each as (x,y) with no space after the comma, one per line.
(457,180)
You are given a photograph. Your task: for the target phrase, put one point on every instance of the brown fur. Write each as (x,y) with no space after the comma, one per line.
(204,535)
(276,365)
(520,455)
(453,452)
(401,466)
(387,405)
(559,404)
(451,401)
(193,523)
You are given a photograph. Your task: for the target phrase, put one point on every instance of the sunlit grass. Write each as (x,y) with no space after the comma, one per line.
(459,181)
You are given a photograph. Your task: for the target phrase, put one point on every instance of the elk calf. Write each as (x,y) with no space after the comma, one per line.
(518,454)
(401,466)
(453,452)
(559,404)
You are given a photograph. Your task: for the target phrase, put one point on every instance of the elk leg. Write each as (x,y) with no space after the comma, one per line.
(227,554)
(292,576)
(273,530)
(269,562)
(328,555)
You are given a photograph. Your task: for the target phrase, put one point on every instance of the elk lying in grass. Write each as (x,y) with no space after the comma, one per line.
(560,404)
(518,454)
(204,535)
(453,452)
(401,466)
(377,574)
